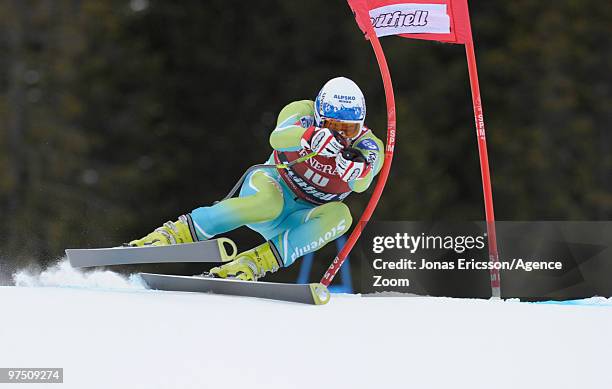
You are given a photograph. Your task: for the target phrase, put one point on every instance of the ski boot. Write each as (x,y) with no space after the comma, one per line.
(252,264)
(180,231)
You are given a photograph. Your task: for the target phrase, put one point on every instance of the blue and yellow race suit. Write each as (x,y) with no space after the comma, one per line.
(298,209)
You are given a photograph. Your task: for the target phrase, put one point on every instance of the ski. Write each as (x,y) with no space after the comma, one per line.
(214,250)
(315,294)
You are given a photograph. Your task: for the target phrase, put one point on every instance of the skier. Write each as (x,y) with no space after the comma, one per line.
(298,209)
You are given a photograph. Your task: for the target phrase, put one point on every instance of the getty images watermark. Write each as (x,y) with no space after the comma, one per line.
(535,259)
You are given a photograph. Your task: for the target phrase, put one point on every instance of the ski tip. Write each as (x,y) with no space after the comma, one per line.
(320,293)
(67,253)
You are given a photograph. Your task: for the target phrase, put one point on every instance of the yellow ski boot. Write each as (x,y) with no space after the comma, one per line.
(180,231)
(252,264)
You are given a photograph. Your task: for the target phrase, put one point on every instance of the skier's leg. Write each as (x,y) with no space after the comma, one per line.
(261,200)
(307,230)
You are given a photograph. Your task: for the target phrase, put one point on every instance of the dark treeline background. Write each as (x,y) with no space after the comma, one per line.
(116,116)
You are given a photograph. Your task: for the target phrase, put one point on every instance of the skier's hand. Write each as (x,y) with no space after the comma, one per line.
(351,164)
(322,141)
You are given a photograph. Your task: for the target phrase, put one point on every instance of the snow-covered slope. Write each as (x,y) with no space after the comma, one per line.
(114,334)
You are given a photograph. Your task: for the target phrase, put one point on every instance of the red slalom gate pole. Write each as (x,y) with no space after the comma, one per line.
(484,165)
(384,173)
(463,34)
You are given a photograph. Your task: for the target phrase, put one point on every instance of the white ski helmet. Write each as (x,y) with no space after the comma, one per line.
(340,106)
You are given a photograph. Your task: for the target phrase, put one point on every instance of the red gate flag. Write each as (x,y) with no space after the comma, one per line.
(438,20)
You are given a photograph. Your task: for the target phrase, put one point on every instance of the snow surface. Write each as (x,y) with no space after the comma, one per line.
(106,331)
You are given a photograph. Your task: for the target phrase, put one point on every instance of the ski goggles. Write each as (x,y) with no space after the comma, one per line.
(344,128)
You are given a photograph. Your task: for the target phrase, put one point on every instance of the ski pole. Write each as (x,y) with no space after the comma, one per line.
(284,165)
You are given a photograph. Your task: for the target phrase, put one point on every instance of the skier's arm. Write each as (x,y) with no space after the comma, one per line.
(289,130)
(372,149)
